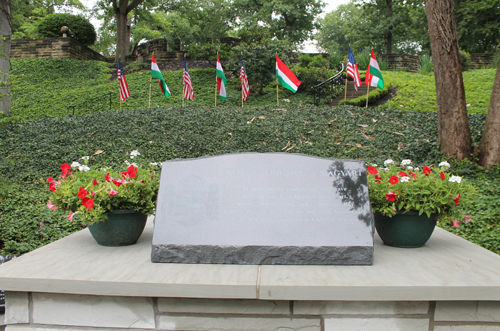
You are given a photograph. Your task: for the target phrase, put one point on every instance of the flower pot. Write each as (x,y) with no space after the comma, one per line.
(408,230)
(122,228)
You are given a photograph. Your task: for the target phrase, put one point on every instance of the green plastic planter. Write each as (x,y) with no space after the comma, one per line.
(122,228)
(408,230)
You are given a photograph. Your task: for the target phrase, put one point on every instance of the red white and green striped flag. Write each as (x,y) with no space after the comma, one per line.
(373,74)
(156,73)
(221,80)
(285,76)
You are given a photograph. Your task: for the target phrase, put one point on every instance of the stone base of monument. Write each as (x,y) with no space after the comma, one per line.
(75,284)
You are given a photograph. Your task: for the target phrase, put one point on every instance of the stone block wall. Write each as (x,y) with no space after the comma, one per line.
(52,48)
(481,60)
(401,62)
(49,311)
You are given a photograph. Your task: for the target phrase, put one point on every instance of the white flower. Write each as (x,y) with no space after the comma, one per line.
(128,163)
(134,153)
(387,162)
(374,165)
(135,165)
(456,179)
(405,179)
(417,168)
(409,167)
(444,165)
(405,162)
(153,163)
(85,157)
(83,168)
(75,164)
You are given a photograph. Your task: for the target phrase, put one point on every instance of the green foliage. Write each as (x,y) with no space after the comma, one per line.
(429,190)
(478,27)
(80,28)
(464,60)
(103,190)
(426,66)
(418,92)
(373,96)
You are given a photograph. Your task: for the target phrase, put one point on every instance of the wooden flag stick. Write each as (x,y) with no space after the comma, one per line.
(277,90)
(216,83)
(182,94)
(150,80)
(241,86)
(345,97)
(367,92)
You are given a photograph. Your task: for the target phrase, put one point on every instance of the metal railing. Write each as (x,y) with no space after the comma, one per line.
(328,87)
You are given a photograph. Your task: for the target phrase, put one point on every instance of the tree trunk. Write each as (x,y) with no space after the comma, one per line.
(489,147)
(453,124)
(389,34)
(122,34)
(5,34)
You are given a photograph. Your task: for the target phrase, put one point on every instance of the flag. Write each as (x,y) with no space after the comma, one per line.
(221,80)
(285,76)
(156,73)
(373,74)
(352,70)
(245,89)
(124,92)
(188,87)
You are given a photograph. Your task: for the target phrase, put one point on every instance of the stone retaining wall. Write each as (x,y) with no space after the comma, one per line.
(37,311)
(52,48)
(481,60)
(401,62)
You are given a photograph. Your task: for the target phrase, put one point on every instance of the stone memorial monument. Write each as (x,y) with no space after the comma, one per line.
(263,208)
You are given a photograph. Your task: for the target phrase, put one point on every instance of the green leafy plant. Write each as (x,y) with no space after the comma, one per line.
(373,96)
(80,28)
(429,191)
(92,193)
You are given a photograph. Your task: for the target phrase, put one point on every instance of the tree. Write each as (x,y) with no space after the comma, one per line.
(478,25)
(489,146)
(5,34)
(80,28)
(293,20)
(453,124)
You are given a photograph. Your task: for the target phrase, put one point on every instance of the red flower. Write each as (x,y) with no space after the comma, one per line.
(82,193)
(50,179)
(70,216)
(427,170)
(108,177)
(52,186)
(132,171)
(117,182)
(94,182)
(378,179)
(442,175)
(65,167)
(88,202)
(391,196)
(403,174)
(455,223)
(394,180)
(413,175)
(456,199)
(372,170)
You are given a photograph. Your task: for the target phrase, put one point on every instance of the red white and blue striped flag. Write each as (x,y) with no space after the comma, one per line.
(245,88)
(124,92)
(188,87)
(352,70)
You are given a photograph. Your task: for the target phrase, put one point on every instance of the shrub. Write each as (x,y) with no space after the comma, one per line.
(426,67)
(80,28)
(372,97)
(464,60)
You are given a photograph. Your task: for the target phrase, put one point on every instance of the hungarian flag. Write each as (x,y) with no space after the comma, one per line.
(373,74)
(156,73)
(124,92)
(285,76)
(221,80)
(245,88)
(352,70)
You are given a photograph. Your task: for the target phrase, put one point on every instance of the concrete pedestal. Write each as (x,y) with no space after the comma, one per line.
(74,284)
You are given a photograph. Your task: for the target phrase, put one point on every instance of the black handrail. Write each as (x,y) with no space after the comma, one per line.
(324,87)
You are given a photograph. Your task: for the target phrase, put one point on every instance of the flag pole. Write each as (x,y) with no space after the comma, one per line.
(277,90)
(367,92)
(345,97)
(241,86)
(119,96)
(182,95)
(150,80)
(216,84)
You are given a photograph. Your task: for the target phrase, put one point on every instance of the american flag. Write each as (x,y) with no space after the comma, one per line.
(124,92)
(188,87)
(245,89)
(352,70)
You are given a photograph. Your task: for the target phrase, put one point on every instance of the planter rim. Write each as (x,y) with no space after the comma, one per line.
(122,211)
(407,212)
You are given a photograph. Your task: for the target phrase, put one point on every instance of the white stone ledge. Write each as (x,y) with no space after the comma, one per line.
(467,328)
(356,307)
(208,306)
(470,311)
(447,268)
(376,324)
